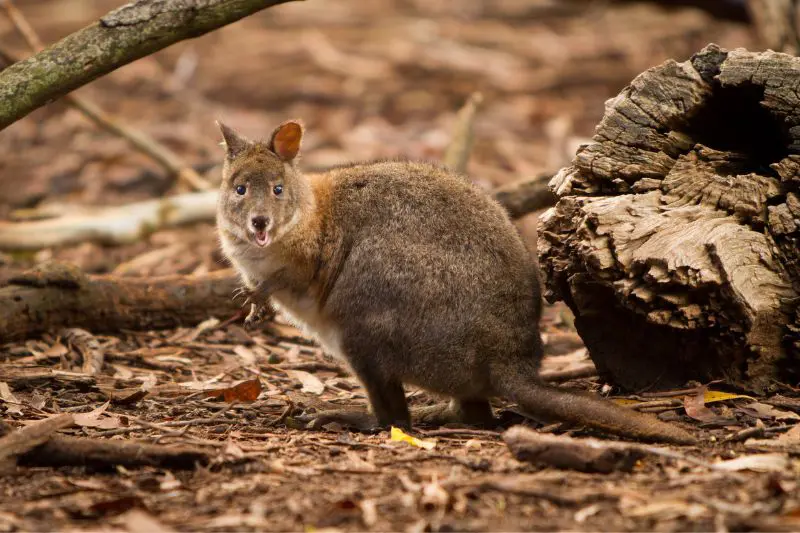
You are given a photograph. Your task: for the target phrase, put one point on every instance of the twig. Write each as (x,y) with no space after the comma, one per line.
(458,431)
(169,160)
(22,441)
(457,154)
(558,376)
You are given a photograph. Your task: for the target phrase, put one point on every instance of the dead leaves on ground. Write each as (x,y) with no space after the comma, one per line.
(246,391)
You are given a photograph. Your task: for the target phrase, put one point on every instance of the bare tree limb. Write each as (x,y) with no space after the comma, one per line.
(120,37)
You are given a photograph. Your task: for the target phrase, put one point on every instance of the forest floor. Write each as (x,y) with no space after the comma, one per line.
(376,79)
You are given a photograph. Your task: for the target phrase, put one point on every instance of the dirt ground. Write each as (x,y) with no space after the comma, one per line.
(370,79)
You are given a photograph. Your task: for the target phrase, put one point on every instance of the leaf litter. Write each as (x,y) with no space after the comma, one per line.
(380,100)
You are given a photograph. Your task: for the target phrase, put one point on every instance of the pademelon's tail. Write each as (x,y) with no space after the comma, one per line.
(584,409)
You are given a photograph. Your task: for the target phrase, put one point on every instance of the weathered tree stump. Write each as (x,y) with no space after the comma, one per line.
(674,239)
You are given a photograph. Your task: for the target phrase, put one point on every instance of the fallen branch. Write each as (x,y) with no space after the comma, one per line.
(587,370)
(16,443)
(111,225)
(132,222)
(526,195)
(53,296)
(458,151)
(63,450)
(133,31)
(585,455)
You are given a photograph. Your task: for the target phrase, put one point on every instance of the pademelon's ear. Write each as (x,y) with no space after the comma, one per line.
(285,140)
(234,143)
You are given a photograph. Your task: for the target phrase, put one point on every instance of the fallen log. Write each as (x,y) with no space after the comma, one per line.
(124,35)
(53,296)
(674,239)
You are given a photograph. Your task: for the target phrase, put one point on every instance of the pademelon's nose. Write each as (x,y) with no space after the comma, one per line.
(259,223)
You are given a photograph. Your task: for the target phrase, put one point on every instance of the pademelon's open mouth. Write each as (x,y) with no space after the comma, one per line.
(261,237)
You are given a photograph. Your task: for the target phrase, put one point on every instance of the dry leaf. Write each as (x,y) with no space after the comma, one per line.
(789,441)
(247,355)
(246,391)
(138,521)
(398,435)
(696,408)
(12,403)
(765,462)
(369,512)
(711,396)
(311,383)
(95,418)
(762,410)
(433,496)
(37,400)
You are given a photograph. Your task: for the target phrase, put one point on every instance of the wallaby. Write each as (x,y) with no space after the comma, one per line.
(408,273)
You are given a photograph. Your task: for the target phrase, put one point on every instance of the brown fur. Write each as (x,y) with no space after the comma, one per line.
(411,275)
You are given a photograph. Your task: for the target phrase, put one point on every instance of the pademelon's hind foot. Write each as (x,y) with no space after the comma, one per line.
(467,412)
(356,420)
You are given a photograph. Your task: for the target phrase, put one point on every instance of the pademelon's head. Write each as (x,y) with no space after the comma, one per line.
(262,191)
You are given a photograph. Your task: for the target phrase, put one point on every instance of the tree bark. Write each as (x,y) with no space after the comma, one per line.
(124,35)
(674,239)
(55,295)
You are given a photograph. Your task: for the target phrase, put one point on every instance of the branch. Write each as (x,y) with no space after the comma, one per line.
(52,296)
(124,35)
(132,222)
(458,151)
(526,195)
(111,225)
(169,160)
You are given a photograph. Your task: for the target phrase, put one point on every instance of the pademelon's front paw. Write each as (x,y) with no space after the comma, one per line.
(259,313)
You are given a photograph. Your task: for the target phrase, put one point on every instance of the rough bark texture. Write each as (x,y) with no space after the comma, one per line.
(123,35)
(674,240)
(54,295)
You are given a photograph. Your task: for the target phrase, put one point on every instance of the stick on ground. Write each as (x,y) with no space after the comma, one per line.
(17,443)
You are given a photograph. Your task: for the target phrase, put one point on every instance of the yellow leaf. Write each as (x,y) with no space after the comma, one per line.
(711,396)
(398,435)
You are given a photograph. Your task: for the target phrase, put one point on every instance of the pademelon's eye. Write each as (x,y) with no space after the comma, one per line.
(241,189)
(277,190)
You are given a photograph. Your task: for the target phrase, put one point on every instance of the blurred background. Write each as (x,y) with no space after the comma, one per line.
(373,79)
